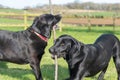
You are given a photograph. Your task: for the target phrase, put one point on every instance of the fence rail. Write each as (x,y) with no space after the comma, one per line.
(25,16)
(17,14)
(114,21)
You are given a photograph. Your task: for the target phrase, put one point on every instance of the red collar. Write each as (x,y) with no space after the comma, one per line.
(42,37)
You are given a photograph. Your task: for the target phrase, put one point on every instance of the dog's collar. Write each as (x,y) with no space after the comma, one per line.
(39,35)
(42,37)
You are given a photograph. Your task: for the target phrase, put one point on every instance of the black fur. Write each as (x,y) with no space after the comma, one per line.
(86,60)
(25,47)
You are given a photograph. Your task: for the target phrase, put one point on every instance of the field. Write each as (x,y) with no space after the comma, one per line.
(9,71)
(75,16)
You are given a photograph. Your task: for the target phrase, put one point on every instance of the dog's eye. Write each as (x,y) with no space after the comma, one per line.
(62,44)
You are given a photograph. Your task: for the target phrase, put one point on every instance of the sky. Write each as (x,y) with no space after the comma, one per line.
(20,4)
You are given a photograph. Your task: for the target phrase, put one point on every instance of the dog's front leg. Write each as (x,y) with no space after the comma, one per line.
(35,65)
(79,74)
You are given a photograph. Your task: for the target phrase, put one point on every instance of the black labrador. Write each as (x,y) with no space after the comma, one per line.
(86,60)
(27,47)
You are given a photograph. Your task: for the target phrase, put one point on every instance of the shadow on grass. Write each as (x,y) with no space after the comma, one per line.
(3,64)
(20,74)
(25,74)
(48,72)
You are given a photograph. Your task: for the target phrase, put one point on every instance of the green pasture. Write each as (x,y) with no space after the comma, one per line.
(66,14)
(104,14)
(99,14)
(12,21)
(8,10)
(10,71)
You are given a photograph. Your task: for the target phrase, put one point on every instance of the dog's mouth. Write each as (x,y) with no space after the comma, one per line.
(58,56)
(56,27)
(53,56)
(47,36)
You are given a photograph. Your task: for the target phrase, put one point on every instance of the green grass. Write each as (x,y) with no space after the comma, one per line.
(11,10)
(9,71)
(12,21)
(104,14)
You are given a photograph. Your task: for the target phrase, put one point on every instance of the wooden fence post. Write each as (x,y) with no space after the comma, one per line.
(114,17)
(25,20)
(89,22)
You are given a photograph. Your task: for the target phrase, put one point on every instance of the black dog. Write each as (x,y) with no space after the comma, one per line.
(28,46)
(88,59)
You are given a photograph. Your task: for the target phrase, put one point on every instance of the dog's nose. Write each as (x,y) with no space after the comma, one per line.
(51,50)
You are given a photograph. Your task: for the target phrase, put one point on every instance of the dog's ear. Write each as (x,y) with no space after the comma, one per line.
(77,54)
(68,46)
(36,19)
(43,20)
(57,18)
(81,49)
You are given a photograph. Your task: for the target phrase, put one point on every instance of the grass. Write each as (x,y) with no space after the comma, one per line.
(104,14)
(12,21)
(10,71)
(8,10)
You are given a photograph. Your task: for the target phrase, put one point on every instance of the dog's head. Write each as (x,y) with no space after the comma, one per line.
(62,46)
(44,24)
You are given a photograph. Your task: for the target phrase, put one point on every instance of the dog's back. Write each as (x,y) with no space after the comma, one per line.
(107,39)
(110,41)
(13,46)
